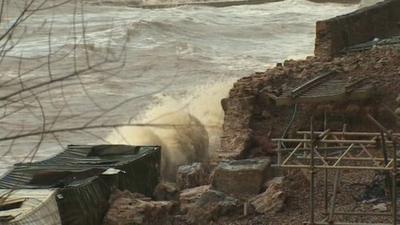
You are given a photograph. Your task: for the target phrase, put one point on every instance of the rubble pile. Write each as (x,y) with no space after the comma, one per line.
(249,111)
(226,194)
(132,208)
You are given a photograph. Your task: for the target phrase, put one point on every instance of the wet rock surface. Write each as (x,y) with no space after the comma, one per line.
(241,178)
(212,205)
(188,197)
(133,209)
(193,175)
(272,200)
(166,191)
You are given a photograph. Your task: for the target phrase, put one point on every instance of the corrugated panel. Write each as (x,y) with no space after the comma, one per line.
(84,204)
(39,207)
(74,160)
(82,190)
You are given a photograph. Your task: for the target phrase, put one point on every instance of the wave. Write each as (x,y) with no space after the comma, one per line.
(195,125)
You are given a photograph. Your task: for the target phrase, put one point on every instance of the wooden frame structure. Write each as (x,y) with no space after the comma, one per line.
(327,150)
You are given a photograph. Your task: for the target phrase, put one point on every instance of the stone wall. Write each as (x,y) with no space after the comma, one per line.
(377,21)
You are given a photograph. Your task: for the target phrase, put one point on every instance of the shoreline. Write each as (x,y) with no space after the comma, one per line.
(210,4)
(218,4)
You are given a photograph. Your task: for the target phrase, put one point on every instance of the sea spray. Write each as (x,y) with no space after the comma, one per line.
(195,125)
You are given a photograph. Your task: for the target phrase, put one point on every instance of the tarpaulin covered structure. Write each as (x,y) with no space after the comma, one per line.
(81,178)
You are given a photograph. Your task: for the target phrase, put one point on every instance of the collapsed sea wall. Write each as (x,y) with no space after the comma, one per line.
(251,114)
(377,21)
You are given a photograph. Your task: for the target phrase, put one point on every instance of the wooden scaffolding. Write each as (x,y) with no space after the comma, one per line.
(338,151)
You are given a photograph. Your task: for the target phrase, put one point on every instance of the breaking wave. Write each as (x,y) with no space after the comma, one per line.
(193,131)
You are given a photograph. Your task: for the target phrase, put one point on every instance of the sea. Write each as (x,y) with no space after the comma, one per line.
(170,69)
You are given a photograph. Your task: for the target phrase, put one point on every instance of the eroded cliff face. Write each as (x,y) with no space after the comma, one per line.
(250,112)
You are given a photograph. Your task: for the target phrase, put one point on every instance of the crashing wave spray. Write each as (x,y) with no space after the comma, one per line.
(366,3)
(194,131)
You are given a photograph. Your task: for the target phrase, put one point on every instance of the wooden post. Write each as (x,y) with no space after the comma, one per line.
(394,185)
(279,154)
(312,173)
(388,190)
(326,170)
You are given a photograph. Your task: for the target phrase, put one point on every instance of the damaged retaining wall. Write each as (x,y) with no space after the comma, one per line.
(377,21)
(249,112)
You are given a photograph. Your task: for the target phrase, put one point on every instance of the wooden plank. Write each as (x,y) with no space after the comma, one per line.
(354,85)
(310,84)
(320,99)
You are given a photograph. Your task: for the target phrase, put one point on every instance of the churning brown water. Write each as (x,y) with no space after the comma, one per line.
(180,61)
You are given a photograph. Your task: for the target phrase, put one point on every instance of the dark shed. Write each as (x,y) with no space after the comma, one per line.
(84,177)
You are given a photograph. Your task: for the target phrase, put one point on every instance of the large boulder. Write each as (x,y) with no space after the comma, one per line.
(272,200)
(212,205)
(241,178)
(193,175)
(188,197)
(128,208)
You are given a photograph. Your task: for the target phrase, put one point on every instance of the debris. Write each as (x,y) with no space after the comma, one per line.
(132,208)
(376,189)
(193,175)
(166,191)
(274,181)
(189,196)
(113,171)
(381,207)
(210,206)
(241,178)
(272,200)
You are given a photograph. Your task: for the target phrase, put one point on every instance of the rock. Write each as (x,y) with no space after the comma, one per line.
(241,178)
(258,146)
(398,99)
(193,175)
(210,206)
(128,208)
(272,200)
(189,196)
(274,181)
(166,191)
(381,207)
(397,111)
